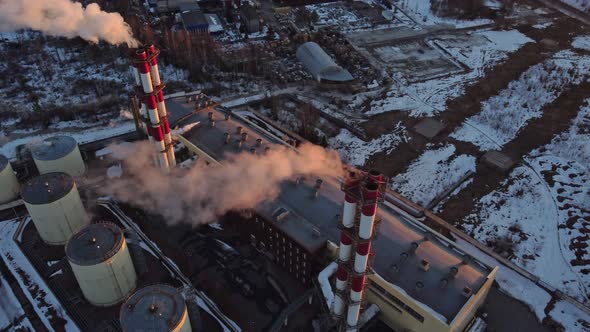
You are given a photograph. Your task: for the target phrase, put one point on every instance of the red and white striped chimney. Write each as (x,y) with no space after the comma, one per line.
(370,196)
(165,126)
(153,64)
(144,71)
(341,284)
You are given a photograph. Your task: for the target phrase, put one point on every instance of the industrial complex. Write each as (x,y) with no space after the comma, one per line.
(295,165)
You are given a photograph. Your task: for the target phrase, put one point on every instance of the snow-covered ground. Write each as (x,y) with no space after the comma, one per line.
(421,11)
(568,315)
(85,136)
(581,43)
(504,115)
(433,173)
(478,51)
(583,5)
(356,152)
(12,315)
(44,302)
(542,212)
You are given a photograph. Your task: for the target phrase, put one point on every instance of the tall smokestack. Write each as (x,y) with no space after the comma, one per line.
(144,71)
(152,54)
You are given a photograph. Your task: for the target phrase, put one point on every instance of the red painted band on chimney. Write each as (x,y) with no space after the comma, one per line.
(345,239)
(149,131)
(375,176)
(341,273)
(166,127)
(358,283)
(363,248)
(160,96)
(150,101)
(349,198)
(157,133)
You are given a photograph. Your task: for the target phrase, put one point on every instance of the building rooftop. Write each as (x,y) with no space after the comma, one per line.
(153,308)
(94,244)
(320,64)
(402,246)
(47,188)
(52,148)
(193,19)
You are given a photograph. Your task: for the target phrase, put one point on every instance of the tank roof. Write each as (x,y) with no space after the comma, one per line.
(94,244)
(47,188)
(53,148)
(3,162)
(153,308)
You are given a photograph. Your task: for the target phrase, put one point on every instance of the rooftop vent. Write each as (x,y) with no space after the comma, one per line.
(211,123)
(318,183)
(453,272)
(466,291)
(226,138)
(419,286)
(239,143)
(403,256)
(280,214)
(424,265)
(210,116)
(244,137)
(394,268)
(239,130)
(414,246)
(227,116)
(444,282)
(258,142)
(253,150)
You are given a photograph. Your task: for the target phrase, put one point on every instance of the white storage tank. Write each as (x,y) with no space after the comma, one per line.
(58,154)
(100,260)
(54,204)
(9,186)
(156,308)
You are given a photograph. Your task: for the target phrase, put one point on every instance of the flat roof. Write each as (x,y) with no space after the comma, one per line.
(47,188)
(94,244)
(401,244)
(52,148)
(193,18)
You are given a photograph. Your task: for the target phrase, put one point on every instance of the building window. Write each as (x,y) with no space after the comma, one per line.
(381,291)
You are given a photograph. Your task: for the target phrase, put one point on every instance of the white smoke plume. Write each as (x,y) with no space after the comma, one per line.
(208,192)
(65,18)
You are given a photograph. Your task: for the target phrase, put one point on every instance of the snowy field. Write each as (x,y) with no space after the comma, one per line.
(581,43)
(478,51)
(421,11)
(541,215)
(114,129)
(356,152)
(12,315)
(504,115)
(433,173)
(583,5)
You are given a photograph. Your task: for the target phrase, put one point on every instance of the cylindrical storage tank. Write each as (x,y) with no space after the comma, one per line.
(156,308)
(101,263)
(54,204)
(9,186)
(58,154)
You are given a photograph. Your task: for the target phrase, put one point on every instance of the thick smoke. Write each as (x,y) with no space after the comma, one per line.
(65,18)
(208,192)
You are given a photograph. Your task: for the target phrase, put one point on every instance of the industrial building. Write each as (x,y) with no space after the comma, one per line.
(320,65)
(420,280)
(194,21)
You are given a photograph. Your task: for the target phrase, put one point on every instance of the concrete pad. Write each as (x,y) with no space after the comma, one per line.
(429,128)
(498,160)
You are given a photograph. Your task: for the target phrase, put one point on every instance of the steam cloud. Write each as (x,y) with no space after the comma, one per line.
(65,18)
(208,192)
